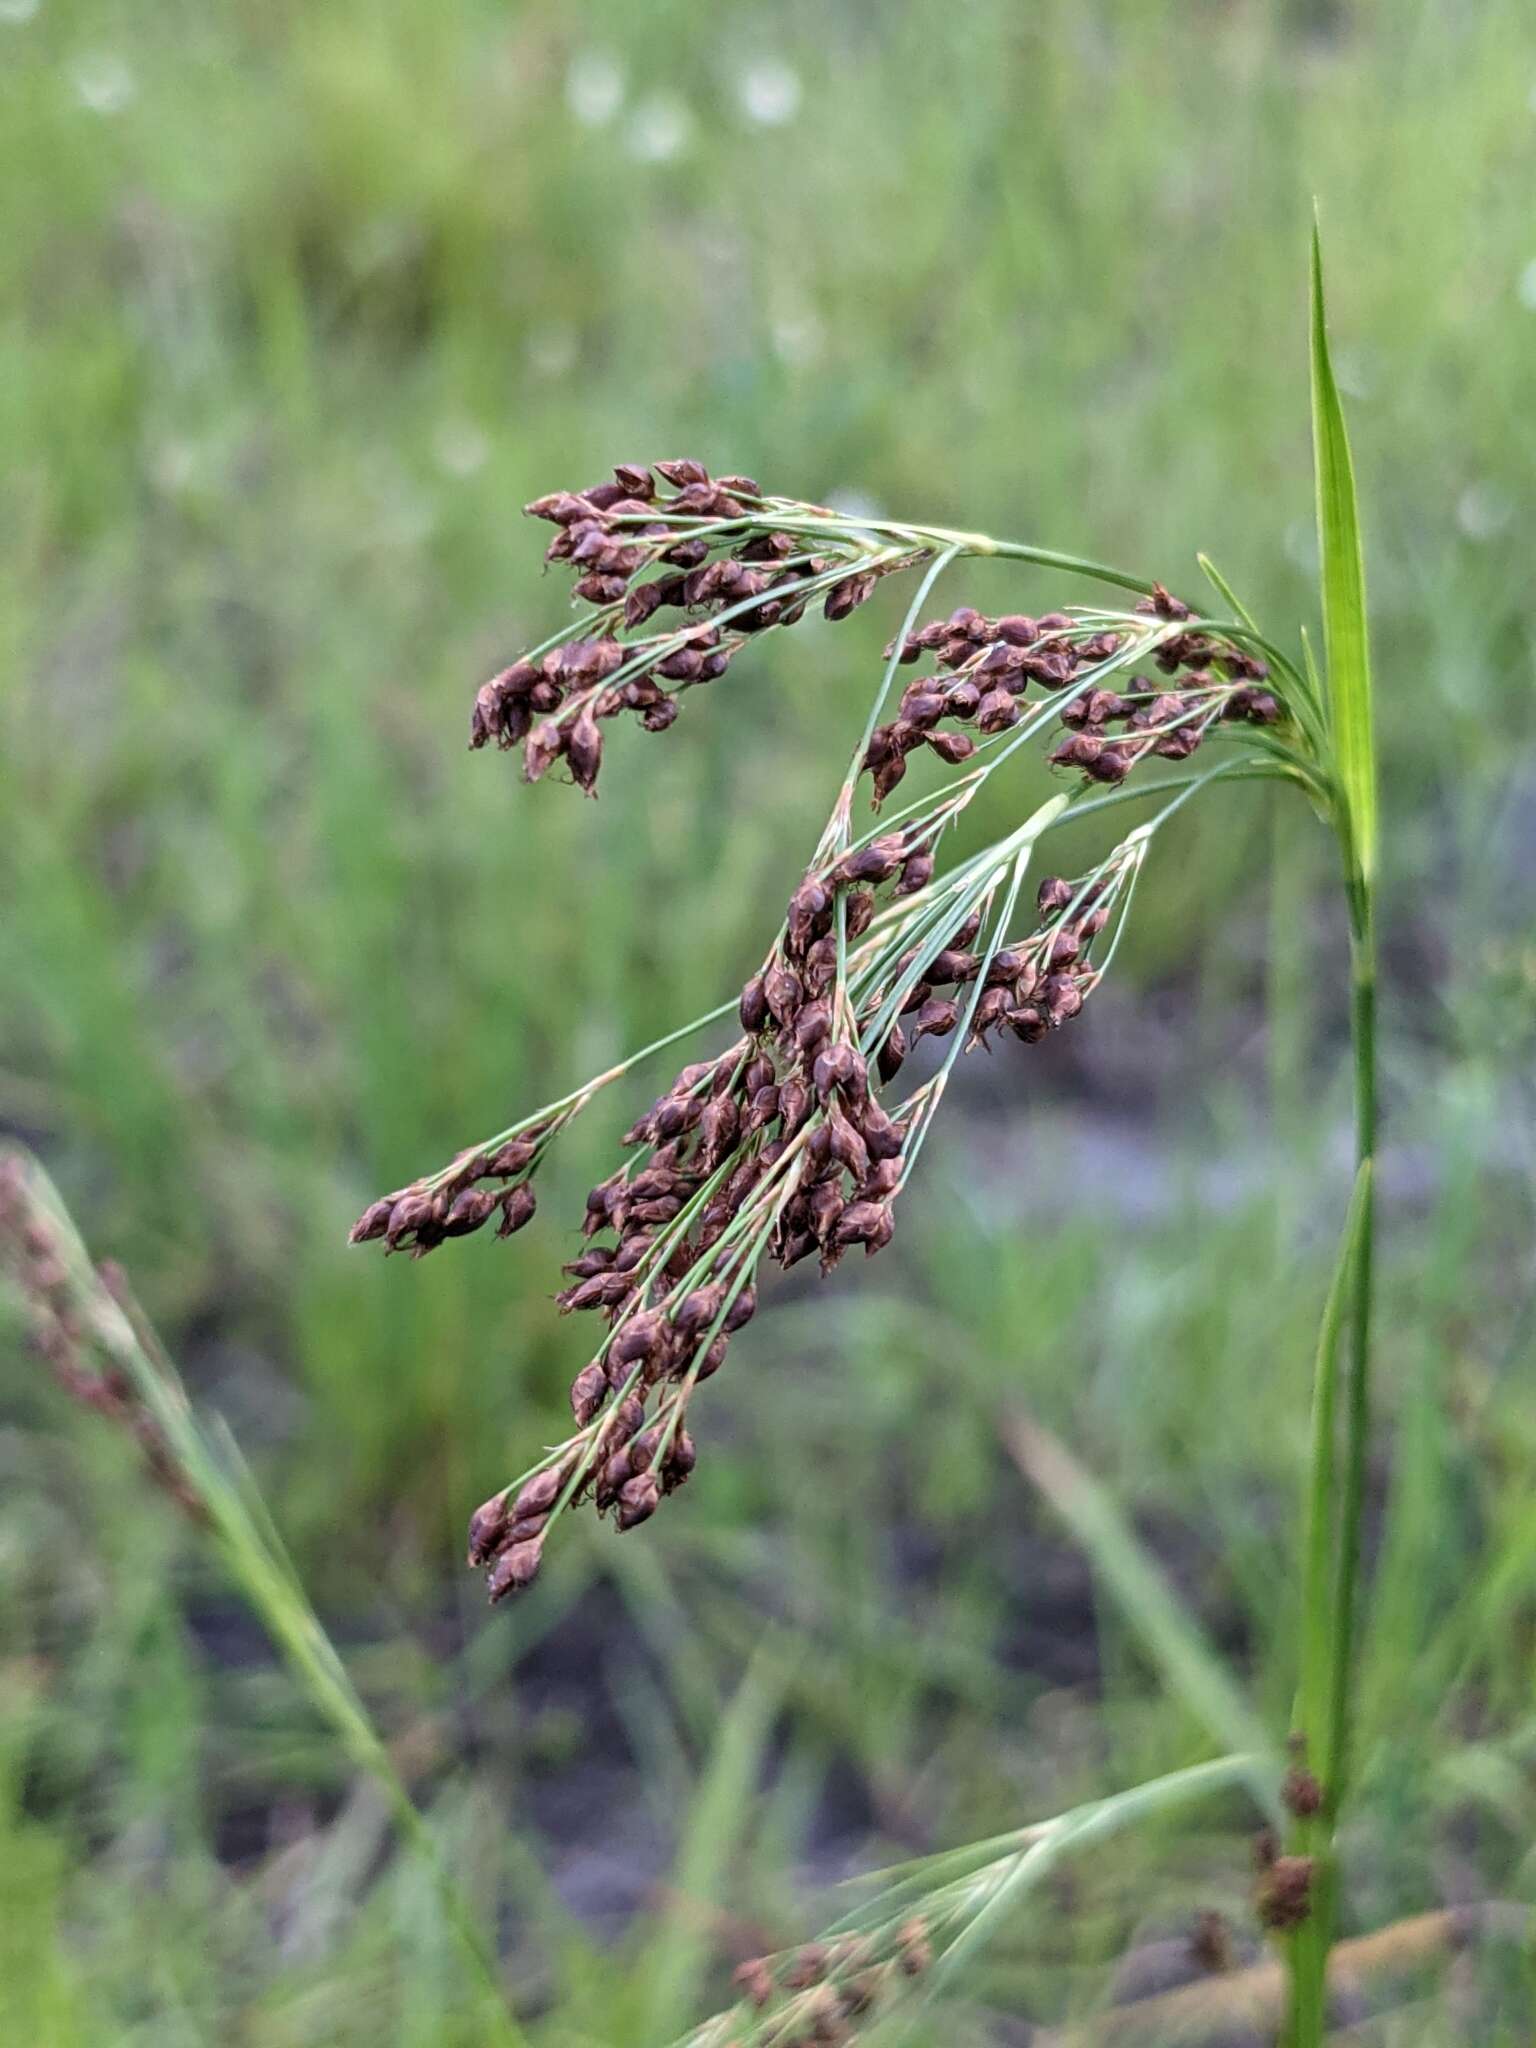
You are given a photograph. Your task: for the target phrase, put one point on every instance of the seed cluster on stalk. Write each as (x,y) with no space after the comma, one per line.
(793,1142)
(821,1994)
(1221,683)
(986,667)
(58,1311)
(779,1147)
(485,1181)
(655,540)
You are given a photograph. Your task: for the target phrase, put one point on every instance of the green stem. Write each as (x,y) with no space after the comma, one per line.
(1331,1555)
(1358,1397)
(255,1559)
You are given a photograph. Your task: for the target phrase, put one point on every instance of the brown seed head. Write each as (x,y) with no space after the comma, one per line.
(589,1389)
(373,1222)
(867,1223)
(486,1526)
(514,1156)
(783,992)
(936,1018)
(638,1498)
(517,1207)
(1285,1892)
(807,1966)
(584,751)
(1210,1943)
(514,1568)
(916,872)
(469,1209)
(1301,1792)
(953,747)
(812,1025)
(914,1948)
(418,1216)
(755,1980)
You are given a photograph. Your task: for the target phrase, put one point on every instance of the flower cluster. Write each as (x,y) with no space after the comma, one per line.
(985,667)
(35,1258)
(1111,730)
(792,1142)
(779,1147)
(653,540)
(1283,1892)
(485,1181)
(818,1993)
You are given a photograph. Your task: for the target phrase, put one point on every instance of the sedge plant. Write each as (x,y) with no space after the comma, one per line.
(795,1138)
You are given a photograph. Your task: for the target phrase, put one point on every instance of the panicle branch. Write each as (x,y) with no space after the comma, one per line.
(925,1921)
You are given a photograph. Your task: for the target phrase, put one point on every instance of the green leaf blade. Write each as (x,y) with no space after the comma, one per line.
(1346,640)
(1170,1635)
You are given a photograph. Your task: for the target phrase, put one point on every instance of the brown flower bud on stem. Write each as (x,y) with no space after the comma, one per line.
(1285,1893)
(755,1980)
(514,1568)
(638,1499)
(589,1389)
(486,1525)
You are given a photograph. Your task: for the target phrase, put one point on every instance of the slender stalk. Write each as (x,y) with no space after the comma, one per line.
(1336,1512)
(1357,1412)
(113,1325)
(1346,701)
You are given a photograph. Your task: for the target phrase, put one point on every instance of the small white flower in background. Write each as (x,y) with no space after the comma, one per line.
(770,92)
(1301,545)
(103,83)
(1525,290)
(797,339)
(659,128)
(551,350)
(175,465)
(594,88)
(17,10)
(1484,510)
(1354,372)
(460,447)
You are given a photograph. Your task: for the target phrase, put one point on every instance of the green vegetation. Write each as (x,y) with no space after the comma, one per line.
(296,308)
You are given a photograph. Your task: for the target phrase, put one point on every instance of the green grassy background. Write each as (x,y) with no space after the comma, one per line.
(297,306)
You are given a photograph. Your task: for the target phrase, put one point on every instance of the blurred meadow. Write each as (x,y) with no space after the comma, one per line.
(298,305)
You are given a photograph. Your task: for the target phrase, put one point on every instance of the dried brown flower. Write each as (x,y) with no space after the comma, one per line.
(1285,1893)
(57,1304)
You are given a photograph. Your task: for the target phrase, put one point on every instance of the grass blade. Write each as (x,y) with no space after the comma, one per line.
(712,1840)
(1169,1634)
(1225,592)
(114,1329)
(1314,1688)
(1319,1677)
(1078,1830)
(1345,639)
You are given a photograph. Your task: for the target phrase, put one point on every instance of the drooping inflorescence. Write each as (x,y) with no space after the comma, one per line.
(826,1992)
(652,543)
(987,666)
(795,1140)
